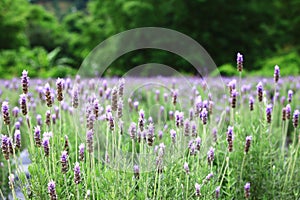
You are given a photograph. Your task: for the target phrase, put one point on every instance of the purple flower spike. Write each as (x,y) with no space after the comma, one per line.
(230,138)
(217,192)
(269,113)
(186,168)
(211,155)
(173,135)
(37,135)
(4,146)
(81,152)
(276,73)
(5,113)
(136,171)
(259,89)
(290,96)
(248,143)
(25,81)
(288,111)
(15,112)
(247,190)
(239,62)
(46,146)
(296,118)
(77,177)
(52,190)
(89,140)
(197,188)
(18,139)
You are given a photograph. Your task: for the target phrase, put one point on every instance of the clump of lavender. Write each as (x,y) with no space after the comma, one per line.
(4,146)
(89,140)
(230,138)
(251,103)
(296,118)
(25,81)
(37,136)
(64,162)
(46,146)
(259,89)
(114,99)
(248,143)
(77,177)
(239,62)
(136,171)
(173,135)
(186,168)
(210,155)
(48,96)
(197,188)
(75,98)
(17,139)
(5,113)
(247,190)
(276,73)
(52,190)
(81,152)
(269,113)
(59,89)
(179,116)
(290,95)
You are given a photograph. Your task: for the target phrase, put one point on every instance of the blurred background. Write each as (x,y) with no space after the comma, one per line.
(51,38)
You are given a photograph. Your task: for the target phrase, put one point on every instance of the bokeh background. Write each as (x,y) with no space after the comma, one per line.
(50,38)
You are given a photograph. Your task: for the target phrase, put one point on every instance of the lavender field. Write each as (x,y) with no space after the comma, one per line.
(150,138)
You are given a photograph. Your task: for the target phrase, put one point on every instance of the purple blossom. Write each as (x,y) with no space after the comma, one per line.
(17,138)
(52,190)
(259,89)
(276,73)
(290,96)
(37,135)
(136,171)
(247,190)
(239,61)
(77,177)
(81,152)
(25,81)
(64,162)
(269,113)
(186,168)
(173,135)
(4,146)
(15,112)
(197,188)
(211,155)
(248,143)
(5,113)
(296,118)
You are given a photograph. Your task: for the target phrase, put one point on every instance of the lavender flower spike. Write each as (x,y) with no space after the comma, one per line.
(276,73)
(18,139)
(77,177)
(247,190)
(269,113)
(23,104)
(186,168)
(25,81)
(136,171)
(197,188)
(64,162)
(296,118)
(4,147)
(37,136)
(248,143)
(52,190)
(47,93)
(81,152)
(259,89)
(210,155)
(5,113)
(59,89)
(239,62)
